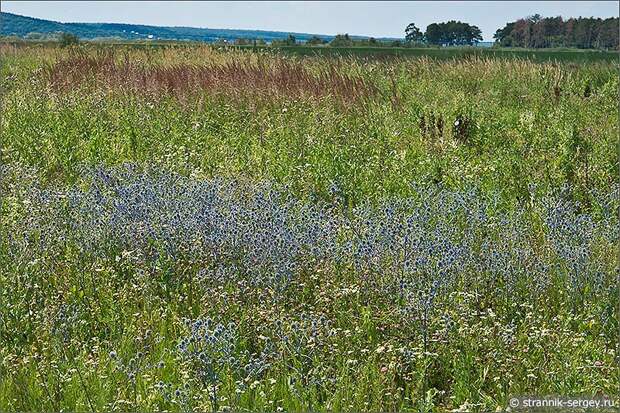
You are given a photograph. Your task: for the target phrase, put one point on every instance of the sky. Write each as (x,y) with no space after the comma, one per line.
(378,19)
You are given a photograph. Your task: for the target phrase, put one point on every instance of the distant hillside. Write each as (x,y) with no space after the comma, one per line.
(16,25)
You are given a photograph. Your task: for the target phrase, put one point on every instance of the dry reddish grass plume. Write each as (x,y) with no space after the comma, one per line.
(278,77)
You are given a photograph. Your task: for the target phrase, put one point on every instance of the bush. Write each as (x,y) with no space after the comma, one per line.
(68,39)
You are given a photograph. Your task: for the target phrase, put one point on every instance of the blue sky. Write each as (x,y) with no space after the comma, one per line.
(379,19)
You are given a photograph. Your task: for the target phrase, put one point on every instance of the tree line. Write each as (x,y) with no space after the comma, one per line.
(538,32)
(340,40)
(530,32)
(451,33)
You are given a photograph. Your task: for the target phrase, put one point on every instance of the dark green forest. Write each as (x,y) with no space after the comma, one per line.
(538,32)
(451,33)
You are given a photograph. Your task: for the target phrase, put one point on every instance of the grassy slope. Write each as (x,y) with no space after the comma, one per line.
(13,24)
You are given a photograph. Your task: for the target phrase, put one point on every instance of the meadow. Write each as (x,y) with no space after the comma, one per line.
(207,229)
(565,55)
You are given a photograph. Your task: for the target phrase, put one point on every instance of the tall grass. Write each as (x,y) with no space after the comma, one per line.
(201,229)
(275,78)
(371,127)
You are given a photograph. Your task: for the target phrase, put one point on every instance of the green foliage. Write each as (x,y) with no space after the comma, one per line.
(341,40)
(315,40)
(582,33)
(398,49)
(67,39)
(289,41)
(576,160)
(452,33)
(344,41)
(413,34)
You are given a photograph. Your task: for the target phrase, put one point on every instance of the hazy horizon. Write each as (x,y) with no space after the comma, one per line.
(378,19)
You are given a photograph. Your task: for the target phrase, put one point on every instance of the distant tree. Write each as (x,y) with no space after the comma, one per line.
(503,37)
(452,33)
(538,32)
(569,32)
(554,31)
(341,40)
(68,39)
(289,41)
(434,34)
(534,18)
(315,40)
(473,34)
(584,33)
(537,35)
(608,35)
(413,34)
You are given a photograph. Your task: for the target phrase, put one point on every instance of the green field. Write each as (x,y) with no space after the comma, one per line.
(201,228)
(445,53)
(544,55)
